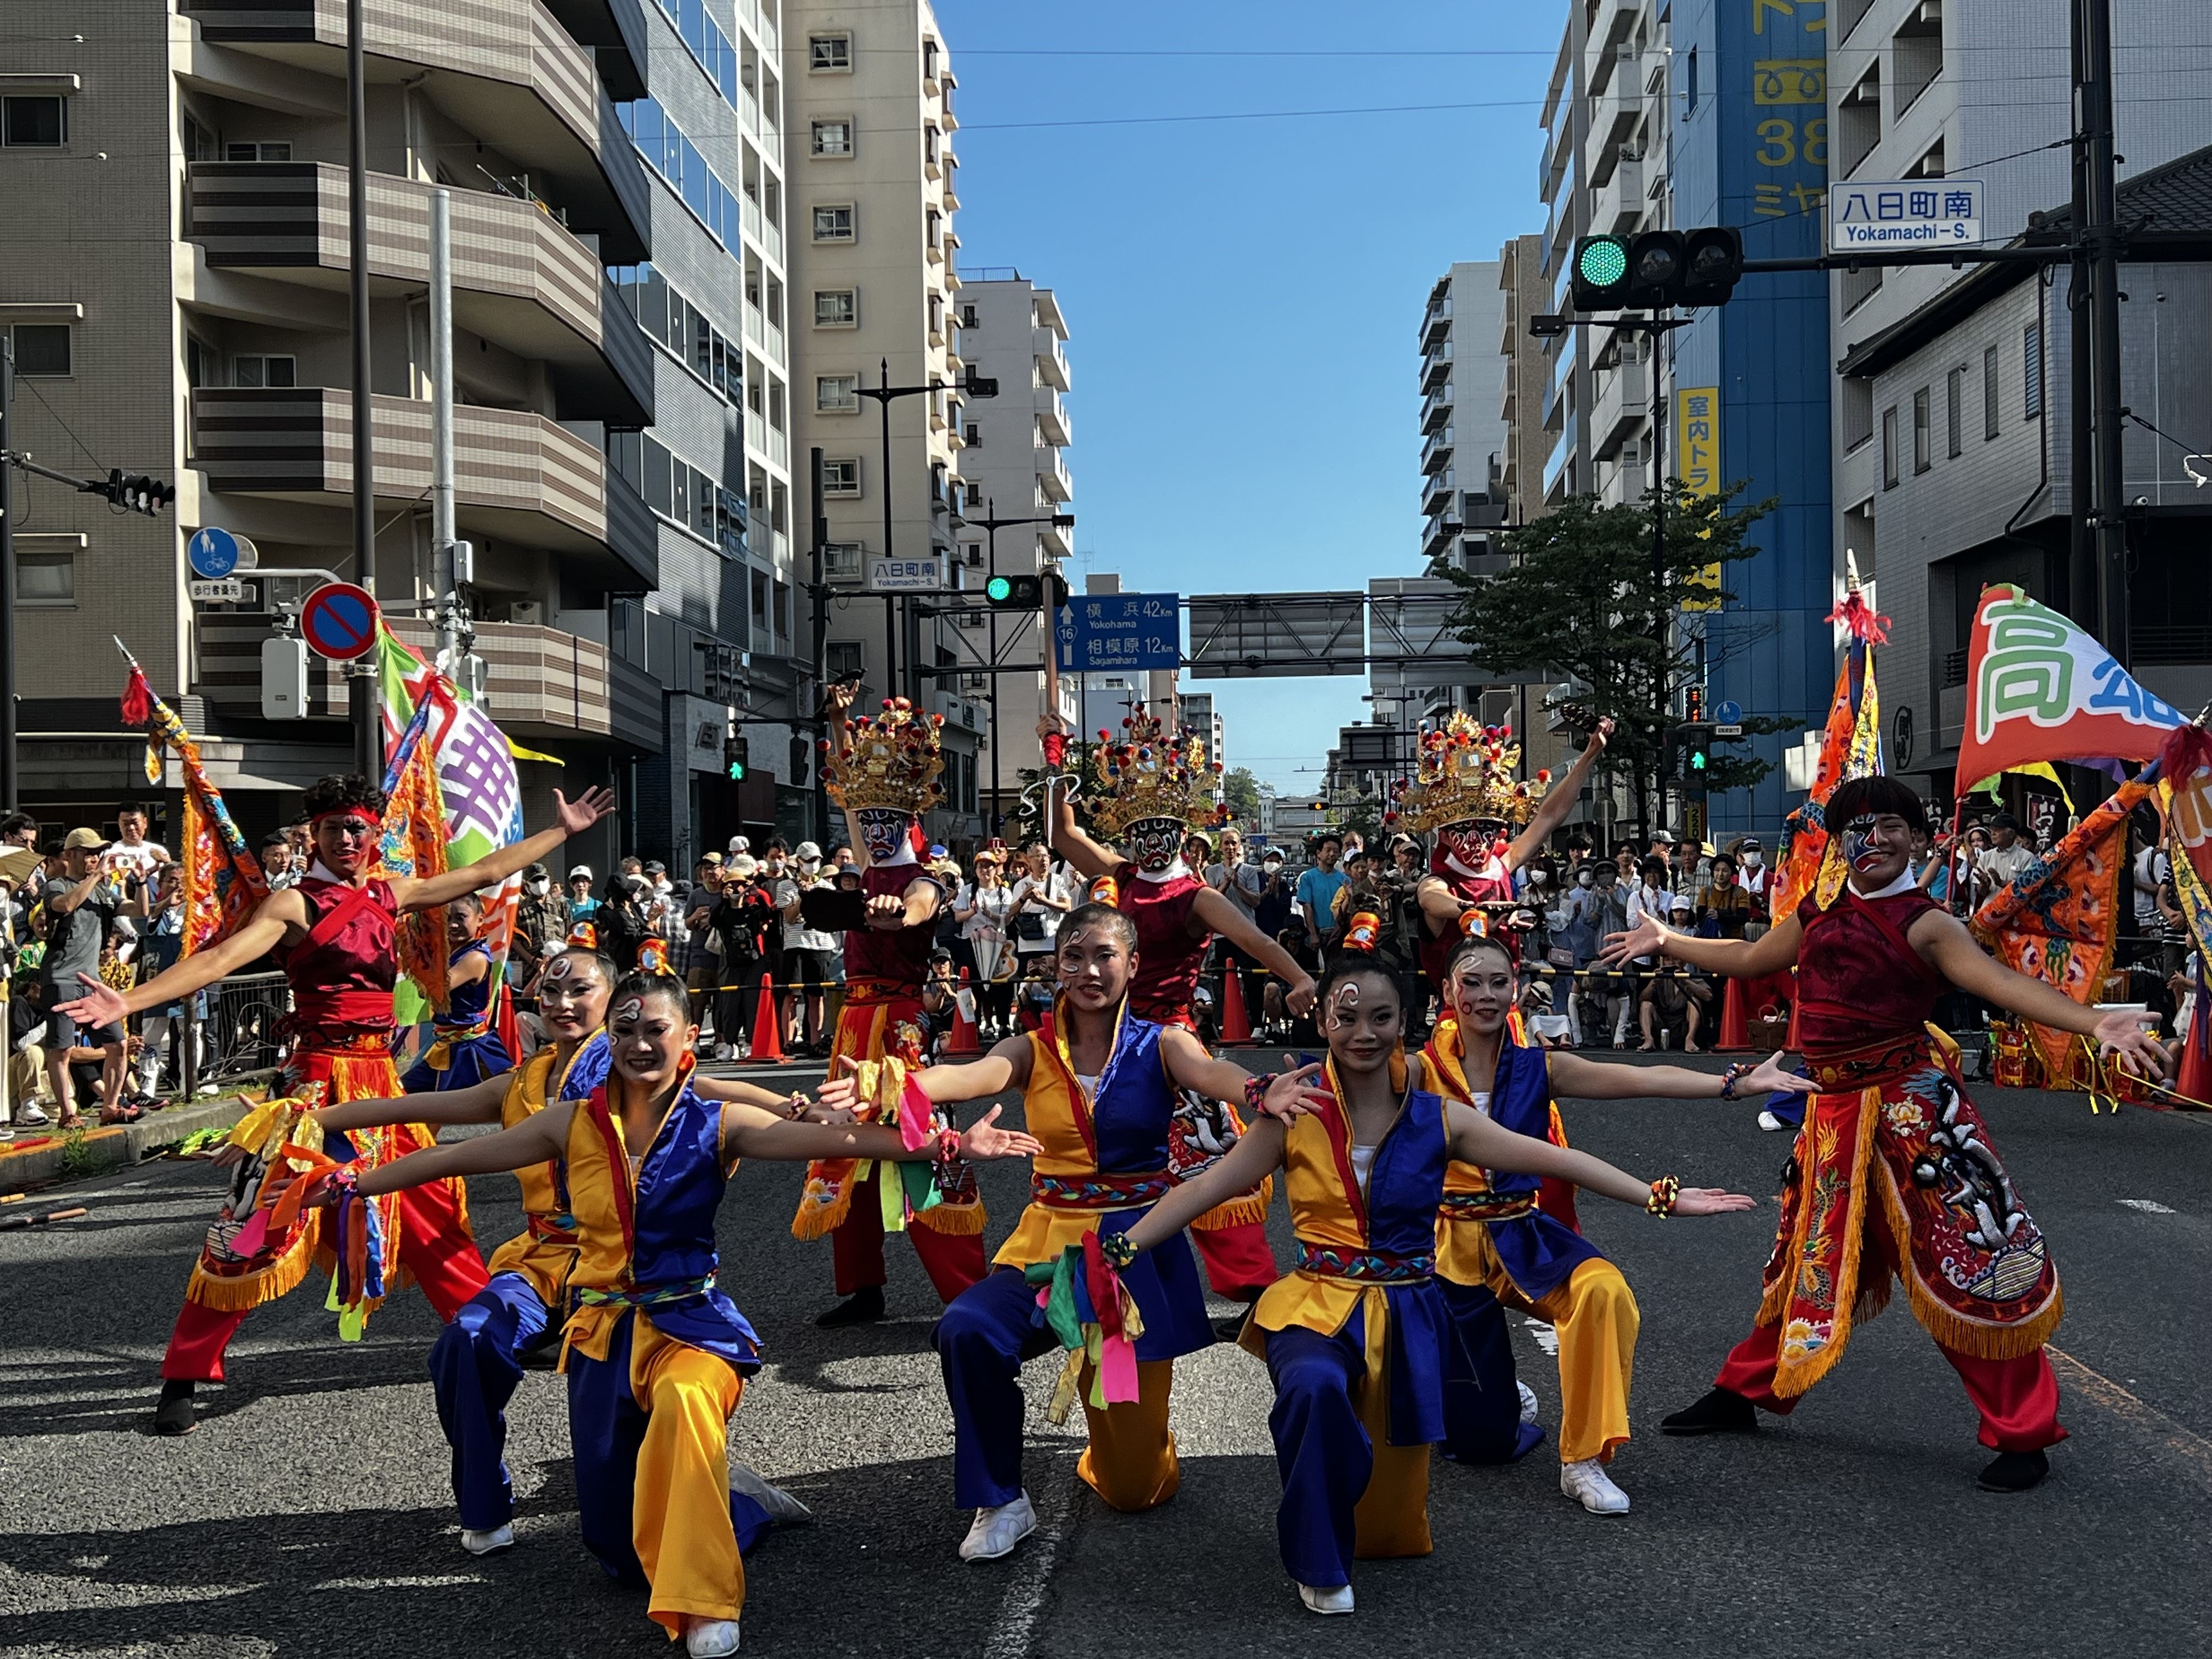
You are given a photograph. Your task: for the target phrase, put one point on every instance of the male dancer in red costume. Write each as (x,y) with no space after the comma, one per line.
(1471,862)
(1156,786)
(333,935)
(884,773)
(1893,1172)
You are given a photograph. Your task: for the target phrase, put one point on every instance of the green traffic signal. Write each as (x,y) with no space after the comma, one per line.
(1697,760)
(999,589)
(1602,261)
(737,771)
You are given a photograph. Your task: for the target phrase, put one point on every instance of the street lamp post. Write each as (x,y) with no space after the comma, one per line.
(991,526)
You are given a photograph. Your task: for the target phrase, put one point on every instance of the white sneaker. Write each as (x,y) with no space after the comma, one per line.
(711,1638)
(487,1543)
(782,1508)
(29,1116)
(1587,1483)
(1768,1121)
(723,1051)
(1527,1401)
(1335,1599)
(996,1531)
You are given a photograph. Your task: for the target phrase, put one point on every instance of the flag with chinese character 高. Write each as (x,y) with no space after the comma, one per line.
(2039,687)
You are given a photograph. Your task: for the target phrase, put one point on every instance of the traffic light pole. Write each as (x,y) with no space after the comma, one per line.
(991,526)
(361,676)
(7,785)
(818,598)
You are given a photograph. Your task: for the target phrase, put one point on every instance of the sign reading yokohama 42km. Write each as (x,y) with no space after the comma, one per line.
(338,621)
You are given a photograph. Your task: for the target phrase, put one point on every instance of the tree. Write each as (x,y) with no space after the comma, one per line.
(1581,598)
(1241,790)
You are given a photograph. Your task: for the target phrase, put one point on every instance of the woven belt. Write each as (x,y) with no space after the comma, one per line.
(316,1040)
(553,1228)
(1368,1267)
(868,993)
(1487,1207)
(644,1296)
(1860,1068)
(1099,1192)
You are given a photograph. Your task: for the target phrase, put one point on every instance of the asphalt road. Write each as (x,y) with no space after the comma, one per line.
(311,1513)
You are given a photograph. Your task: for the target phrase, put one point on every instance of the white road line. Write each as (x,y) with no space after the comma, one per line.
(1546,1338)
(1022,1604)
(2147,1206)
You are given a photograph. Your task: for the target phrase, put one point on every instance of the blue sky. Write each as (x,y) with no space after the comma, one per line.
(1243,296)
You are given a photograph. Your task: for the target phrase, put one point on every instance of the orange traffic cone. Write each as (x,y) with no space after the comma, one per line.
(1736,1026)
(964,1039)
(1235,1024)
(768,1026)
(2194,1084)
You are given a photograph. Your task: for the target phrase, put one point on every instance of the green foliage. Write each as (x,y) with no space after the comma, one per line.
(1242,791)
(78,1159)
(1580,598)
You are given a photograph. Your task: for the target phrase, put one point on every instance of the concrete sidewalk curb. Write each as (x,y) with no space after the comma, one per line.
(123,1144)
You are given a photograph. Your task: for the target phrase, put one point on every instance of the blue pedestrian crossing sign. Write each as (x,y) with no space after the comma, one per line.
(213,554)
(1728,714)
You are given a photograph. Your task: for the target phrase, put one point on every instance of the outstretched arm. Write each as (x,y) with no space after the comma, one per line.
(1189,1067)
(1947,945)
(1258,1151)
(570,819)
(1224,918)
(264,931)
(1476,1140)
(1006,1066)
(1735,958)
(541,1136)
(1559,800)
(1593,1079)
(477,1103)
(749,1132)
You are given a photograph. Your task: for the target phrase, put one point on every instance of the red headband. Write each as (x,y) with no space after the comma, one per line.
(342,812)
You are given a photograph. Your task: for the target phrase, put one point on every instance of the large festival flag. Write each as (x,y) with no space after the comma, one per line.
(2184,790)
(2055,921)
(2039,687)
(1850,748)
(222,879)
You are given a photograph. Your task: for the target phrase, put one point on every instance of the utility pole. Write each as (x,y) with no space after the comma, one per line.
(445,555)
(819,598)
(7,785)
(361,676)
(2082,598)
(2101,230)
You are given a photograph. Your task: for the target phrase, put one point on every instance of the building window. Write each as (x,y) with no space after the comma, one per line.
(42,349)
(1889,447)
(259,150)
(837,308)
(973,436)
(967,316)
(203,366)
(2031,360)
(45,576)
(1690,88)
(841,478)
(830,54)
(1989,393)
(1924,445)
(833,137)
(975,496)
(29,122)
(834,223)
(263,370)
(1857,399)
(1953,418)
(837,394)
(844,659)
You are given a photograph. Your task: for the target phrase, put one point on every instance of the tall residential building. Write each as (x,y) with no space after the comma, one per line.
(1013,465)
(176,191)
(1463,431)
(1199,718)
(1524,292)
(869,92)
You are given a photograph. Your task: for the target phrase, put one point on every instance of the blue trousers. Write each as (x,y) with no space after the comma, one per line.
(471,1061)
(1343,1495)
(605,1427)
(475,1366)
(1482,1406)
(988,1331)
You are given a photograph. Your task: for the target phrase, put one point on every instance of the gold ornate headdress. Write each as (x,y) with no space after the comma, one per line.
(891,759)
(1465,771)
(1149,773)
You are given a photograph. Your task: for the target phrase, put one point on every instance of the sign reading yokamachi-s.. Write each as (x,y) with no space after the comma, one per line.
(1903,213)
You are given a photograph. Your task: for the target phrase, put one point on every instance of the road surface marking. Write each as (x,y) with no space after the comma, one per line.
(2147,1206)
(2185,1445)
(1033,1561)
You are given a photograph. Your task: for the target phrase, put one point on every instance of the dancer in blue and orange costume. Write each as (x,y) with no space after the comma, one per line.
(656,1353)
(1154,787)
(1494,1246)
(1099,1090)
(465,1047)
(1893,1172)
(884,773)
(334,935)
(1356,1337)
(477,1360)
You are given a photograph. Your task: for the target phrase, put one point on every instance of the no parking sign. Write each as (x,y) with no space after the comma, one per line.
(338,621)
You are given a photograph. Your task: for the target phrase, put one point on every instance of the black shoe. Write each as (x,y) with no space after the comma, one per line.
(864,1307)
(175,1414)
(2014,1472)
(1721,1411)
(1230,1327)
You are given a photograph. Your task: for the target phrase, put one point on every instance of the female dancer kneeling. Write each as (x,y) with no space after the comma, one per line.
(655,1354)
(1355,1338)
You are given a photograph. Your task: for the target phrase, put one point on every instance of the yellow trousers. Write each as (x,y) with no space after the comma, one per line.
(1392,1517)
(1131,1460)
(1595,1315)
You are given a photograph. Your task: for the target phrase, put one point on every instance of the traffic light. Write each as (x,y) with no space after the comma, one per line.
(134,492)
(802,756)
(1024,592)
(1693,704)
(736,752)
(1693,744)
(1655,269)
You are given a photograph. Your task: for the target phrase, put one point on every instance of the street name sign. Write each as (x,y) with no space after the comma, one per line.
(1903,213)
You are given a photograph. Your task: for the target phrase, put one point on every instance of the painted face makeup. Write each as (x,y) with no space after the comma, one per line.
(1859,850)
(882,832)
(1154,844)
(1344,1006)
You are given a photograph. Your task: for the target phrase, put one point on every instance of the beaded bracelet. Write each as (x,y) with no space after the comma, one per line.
(948,1145)
(1664,1193)
(1255,1089)
(1117,1249)
(1734,1075)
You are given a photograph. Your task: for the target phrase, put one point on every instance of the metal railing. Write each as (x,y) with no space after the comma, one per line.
(242,1033)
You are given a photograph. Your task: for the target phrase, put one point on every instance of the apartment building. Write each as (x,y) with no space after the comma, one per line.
(180,278)
(1522,293)
(1200,719)
(1463,430)
(1013,466)
(870,95)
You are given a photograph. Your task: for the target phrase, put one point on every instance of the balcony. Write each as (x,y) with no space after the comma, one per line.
(1055,542)
(1051,360)
(1622,399)
(1053,481)
(509,69)
(615,31)
(1441,537)
(1436,408)
(520,280)
(518,476)
(1052,420)
(1436,367)
(1437,493)
(543,685)
(1436,452)
(1559,480)
(1618,203)
(1436,324)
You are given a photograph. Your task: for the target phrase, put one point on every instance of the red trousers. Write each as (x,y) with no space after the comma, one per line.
(435,1245)
(2018,1399)
(953,1261)
(1239,1264)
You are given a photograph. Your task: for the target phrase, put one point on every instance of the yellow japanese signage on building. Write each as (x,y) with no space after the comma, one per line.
(1698,464)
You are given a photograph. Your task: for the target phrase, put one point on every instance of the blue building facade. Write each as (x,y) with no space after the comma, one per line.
(1749,142)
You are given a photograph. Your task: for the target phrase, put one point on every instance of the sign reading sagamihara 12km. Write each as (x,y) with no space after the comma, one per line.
(338,621)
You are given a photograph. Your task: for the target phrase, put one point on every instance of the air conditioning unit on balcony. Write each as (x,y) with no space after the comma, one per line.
(529,612)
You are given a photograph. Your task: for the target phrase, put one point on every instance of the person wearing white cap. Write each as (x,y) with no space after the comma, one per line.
(580,901)
(809,953)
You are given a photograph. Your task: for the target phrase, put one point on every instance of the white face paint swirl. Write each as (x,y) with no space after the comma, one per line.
(560,969)
(631,1011)
(1344,1004)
